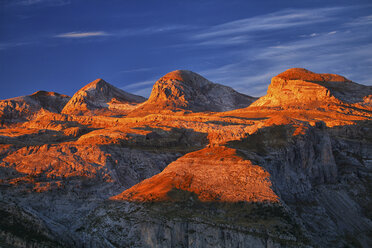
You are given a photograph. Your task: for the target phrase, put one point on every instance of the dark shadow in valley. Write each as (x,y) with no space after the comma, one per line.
(170,139)
(143,156)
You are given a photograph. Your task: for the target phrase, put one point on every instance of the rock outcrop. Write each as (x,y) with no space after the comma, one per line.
(186,90)
(207,175)
(101,98)
(23,107)
(298,88)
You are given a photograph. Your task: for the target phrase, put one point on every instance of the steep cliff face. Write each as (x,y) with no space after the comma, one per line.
(315,173)
(186,90)
(100,97)
(22,108)
(324,186)
(191,224)
(299,88)
(19,228)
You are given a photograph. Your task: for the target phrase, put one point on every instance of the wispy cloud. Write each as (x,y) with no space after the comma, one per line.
(223,41)
(344,51)
(274,21)
(150,30)
(124,32)
(142,88)
(137,70)
(81,34)
(309,35)
(7,45)
(361,21)
(139,84)
(40,2)
(113,34)
(145,92)
(241,78)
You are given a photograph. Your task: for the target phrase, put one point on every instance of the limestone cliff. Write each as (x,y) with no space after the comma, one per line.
(186,90)
(299,88)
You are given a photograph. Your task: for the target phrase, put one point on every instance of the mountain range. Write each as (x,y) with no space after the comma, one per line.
(197,164)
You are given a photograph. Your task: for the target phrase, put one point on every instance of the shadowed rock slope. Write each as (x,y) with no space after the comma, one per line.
(100,97)
(186,90)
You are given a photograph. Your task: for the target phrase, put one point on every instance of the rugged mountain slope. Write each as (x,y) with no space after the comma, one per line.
(211,174)
(299,87)
(186,90)
(278,175)
(23,107)
(100,97)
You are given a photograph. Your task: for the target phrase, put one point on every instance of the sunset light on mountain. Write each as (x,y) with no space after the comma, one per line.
(185,124)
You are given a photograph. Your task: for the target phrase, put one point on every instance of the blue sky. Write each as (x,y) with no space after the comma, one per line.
(61,45)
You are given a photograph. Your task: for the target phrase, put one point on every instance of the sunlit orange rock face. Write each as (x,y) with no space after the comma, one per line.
(24,107)
(299,88)
(211,174)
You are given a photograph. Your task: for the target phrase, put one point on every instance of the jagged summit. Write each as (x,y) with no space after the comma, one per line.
(99,97)
(298,87)
(187,90)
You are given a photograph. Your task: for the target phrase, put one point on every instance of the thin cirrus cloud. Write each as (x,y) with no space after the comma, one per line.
(142,88)
(40,2)
(4,46)
(150,30)
(274,21)
(320,54)
(78,35)
(139,84)
(361,21)
(115,34)
(124,32)
(319,51)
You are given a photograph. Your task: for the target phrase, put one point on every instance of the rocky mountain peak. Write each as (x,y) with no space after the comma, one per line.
(23,107)
(187,90)
(309,76)
(43,93)
(102,97)
(298,87)
(97,84)
(185,76)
